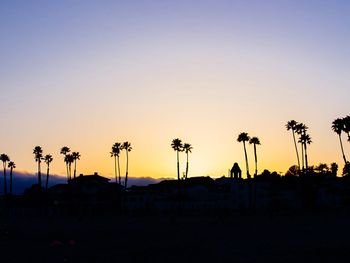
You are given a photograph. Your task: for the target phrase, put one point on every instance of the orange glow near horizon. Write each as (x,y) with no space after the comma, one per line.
(151,71)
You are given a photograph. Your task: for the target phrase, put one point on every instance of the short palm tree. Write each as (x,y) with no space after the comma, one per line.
(188,149)
(47,159)
(304,140)
(76,156)
(338,127)
(12,166)
(69,159)
(244,137)
(176,144)
(292,125)
(127,147)
(300,129)
(38,155)
(255,141)
(4,158)
(65,150)
(116,148)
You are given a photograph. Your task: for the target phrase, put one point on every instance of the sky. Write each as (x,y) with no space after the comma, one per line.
(86,74)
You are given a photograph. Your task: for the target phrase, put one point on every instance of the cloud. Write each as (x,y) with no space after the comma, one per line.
(24,180)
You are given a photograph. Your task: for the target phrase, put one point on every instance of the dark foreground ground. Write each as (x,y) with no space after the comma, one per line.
(311,238)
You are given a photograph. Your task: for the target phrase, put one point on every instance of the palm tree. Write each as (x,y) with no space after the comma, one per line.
(255,141)
(116,147)
(338,127)
(176,144)
(243,137)
(76,156)
(127,147)
(47,159)
(65,150)
(304,140)
(12,166)
(69,159)
(292,125)
(4,158)
(188,149)
(38,155)
(300,129)
(346,127)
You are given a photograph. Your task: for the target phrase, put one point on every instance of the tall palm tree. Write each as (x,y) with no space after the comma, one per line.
(116,148)
(255,141)
(244,137)
(127,147)
(304,140)
(188,149)
(38,155)
(65,150)
(76,156)
(12,166)
(300,129)
(47,159)
(176,144)
(338,127)
(292,125)
(4,158)
(346,127)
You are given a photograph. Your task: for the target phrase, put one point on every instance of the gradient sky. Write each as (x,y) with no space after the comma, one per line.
(88,73)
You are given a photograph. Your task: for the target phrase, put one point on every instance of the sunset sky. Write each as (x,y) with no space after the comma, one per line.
(85,74)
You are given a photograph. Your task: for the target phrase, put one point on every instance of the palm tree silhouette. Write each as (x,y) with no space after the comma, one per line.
(301,129)
(76,156)
(127,147)
(243,137)
(255,141)
(38,155)
(188,149)
(116,148)
(69,159)
(338,127)
(4,158)
(304,140)
(176,144)
(47,159)
(346,127)
(292,125)
(12,166)
(65,150)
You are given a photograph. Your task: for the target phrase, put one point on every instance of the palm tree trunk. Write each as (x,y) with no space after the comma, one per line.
(47,177)
(11,180)
(120,179)
(306,162)
(115,169)
(127,169)
(302,157)
(186,166)
(75,168)
(246,160)
(256,160)
(296,149)
(178,166)
(70,171)
(5,183)
(67,172)
(342,149)
(39,175)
